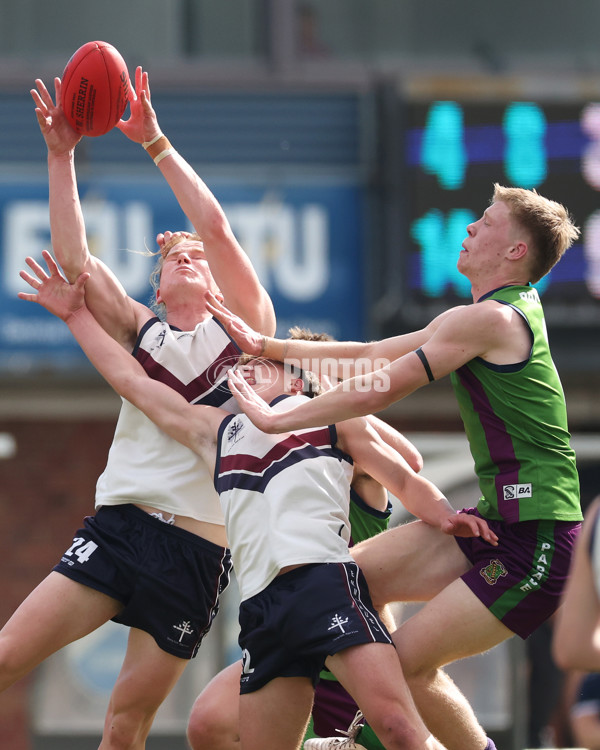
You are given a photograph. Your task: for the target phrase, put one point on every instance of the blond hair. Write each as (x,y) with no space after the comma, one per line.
(550,227)
(160,255)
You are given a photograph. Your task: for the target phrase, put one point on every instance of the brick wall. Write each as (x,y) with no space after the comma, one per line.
(45,490)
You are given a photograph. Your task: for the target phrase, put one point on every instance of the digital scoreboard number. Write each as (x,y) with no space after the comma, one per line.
(455,152)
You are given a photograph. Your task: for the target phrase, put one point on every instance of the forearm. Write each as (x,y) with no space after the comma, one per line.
(112,361)
(66,219)
(398,442)
(424,500)
(229,264)
(356,397)
(339,360)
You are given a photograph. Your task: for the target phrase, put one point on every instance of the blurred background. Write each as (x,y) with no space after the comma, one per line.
(350,143)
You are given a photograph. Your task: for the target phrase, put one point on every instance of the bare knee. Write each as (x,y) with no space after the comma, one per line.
(12,666)
(126,729)
(395,731)
(209,728)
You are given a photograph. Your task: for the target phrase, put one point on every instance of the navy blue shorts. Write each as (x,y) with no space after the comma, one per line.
(167,578)
(301,618)
(522,579)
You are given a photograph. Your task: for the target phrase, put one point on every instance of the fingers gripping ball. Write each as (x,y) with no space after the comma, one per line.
(95,88)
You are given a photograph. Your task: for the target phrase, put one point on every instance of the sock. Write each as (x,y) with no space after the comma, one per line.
(368,738)
(490,745)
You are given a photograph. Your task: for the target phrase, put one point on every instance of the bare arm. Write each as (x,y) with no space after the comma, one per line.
(418,495)
(333,360)
(106,297)
(468,332)
(194,426)
(398,441)
(229,264)
(576,643)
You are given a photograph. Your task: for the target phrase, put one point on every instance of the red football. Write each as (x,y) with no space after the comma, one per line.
(95,88)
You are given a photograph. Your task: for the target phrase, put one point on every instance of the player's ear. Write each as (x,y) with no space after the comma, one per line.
(518,250)
(296,386)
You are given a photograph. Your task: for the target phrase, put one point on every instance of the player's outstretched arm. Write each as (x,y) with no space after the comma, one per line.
(467,333)
(418,495)
(162,404)
(335,360)
(229,264)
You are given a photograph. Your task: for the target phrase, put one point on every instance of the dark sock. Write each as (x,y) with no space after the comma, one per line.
(369,739)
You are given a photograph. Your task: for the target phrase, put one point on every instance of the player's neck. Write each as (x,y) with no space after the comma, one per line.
(187,317)
(479,290)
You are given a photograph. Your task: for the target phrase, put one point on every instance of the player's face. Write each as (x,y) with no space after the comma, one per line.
(265,377)
(185,267)
(487,242)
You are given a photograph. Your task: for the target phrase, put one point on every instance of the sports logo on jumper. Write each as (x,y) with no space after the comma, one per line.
(492,572)
(234,430)
(516,491)
(338,622)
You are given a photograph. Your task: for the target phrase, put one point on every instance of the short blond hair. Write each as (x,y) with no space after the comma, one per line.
(550,228)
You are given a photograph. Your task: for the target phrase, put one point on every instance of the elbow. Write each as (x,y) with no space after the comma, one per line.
(415,461)
(215,229)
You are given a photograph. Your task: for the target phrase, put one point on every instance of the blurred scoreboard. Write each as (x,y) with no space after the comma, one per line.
(454,153)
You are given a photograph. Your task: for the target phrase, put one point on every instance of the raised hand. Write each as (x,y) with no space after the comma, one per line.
(465,524)
(259,412)
(245,337)
(53,291)
(163,237)
(58,133)
(142,125)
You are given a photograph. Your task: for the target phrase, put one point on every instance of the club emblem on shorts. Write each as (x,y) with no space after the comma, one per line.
(338,622)
(492,572)
(184,629)
(233,433)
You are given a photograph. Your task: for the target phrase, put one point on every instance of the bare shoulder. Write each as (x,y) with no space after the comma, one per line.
(488,316)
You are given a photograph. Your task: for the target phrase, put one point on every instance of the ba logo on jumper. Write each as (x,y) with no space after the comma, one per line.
(516,491)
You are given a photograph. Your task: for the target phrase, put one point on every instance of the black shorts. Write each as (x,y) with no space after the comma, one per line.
(301,618)
(168,579)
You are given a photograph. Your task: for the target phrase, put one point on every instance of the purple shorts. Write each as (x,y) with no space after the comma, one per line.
(333,709)
(521,580)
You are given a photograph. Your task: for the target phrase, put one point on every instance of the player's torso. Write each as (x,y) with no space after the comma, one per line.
(147,467)
(285,498)
(516,423)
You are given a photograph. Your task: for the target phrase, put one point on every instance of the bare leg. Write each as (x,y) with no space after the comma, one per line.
(147,676)
(57,612)
(276,716)
(215,718)
(452,626)
(372,674)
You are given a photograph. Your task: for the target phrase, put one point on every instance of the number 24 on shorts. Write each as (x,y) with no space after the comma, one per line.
(81,549)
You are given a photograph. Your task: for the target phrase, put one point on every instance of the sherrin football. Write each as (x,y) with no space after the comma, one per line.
(95,88)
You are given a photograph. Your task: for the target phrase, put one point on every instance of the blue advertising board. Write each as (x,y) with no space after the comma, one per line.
(304,237)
